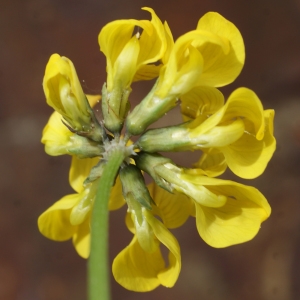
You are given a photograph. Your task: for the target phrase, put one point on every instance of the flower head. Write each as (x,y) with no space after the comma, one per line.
(237,133)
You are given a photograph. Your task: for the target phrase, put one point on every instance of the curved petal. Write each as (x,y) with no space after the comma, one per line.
(56,136)
(244,103)
(212,163)
(113,37)
(173,209)
(188,73)
(169,275)
(238,221)
(221,68)
(183,69)
(64,93)
(81,238)
(54,223)
(80,170)
(147,72)
(137,270)
(125,65)
(248,157)
(219,136)
(141,271)
(153,42)
(230,188)
(83,207)
(129,223)
(203,196)
(170,43)
(201,101)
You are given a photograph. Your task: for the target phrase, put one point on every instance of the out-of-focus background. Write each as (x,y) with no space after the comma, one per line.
(35,268)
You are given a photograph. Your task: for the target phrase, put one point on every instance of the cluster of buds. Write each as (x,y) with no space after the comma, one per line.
(237,133)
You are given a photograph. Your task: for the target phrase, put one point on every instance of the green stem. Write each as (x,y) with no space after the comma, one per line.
(98,271)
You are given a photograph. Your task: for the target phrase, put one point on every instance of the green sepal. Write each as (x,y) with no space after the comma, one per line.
(134,187)
(96,172)
(84,147)
(115,106)
(149,162)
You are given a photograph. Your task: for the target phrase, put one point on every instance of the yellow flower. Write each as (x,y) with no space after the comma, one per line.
(130,57)
(210,56)
(64,93)
(70,216)
(140,266)
(227,212)
(241,130)
(59,140)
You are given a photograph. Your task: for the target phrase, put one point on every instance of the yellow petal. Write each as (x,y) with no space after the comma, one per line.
(182,71)
(81,238)
(218,136)
(244,103)
(125,65)
(80,211)
(248,157)
(147,72)
(169,275)
(64,93)
(201,101)
(93,99)
(56,136)
(141,271)
(116,199)
(170,43)
(238,221)
(137,270)
(112,39)
(79,171)
(188,74)
(212,163)
(144,232)
(54,223)
(129,223)
(152,41)
(221,67)
(173,209)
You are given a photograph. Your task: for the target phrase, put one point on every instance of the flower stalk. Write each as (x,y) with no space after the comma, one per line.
(98,270)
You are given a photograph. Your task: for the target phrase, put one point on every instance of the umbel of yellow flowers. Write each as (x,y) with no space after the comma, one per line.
(237,133)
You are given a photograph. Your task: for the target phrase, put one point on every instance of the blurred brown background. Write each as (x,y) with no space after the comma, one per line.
(34,268)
